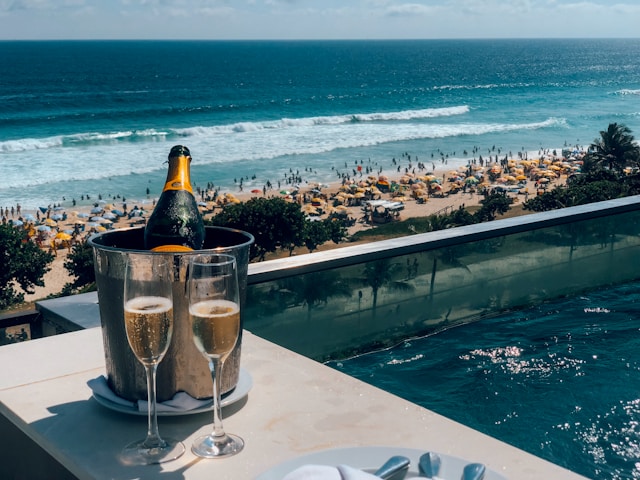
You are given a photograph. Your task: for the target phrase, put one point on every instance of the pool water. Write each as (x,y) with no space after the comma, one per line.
(560,380)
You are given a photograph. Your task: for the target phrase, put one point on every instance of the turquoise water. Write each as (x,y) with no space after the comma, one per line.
(99,117)
(560,380)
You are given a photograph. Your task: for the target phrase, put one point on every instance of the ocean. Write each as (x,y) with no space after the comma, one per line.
(82,120)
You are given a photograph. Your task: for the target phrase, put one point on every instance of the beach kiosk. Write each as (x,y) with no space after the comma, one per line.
(383,211)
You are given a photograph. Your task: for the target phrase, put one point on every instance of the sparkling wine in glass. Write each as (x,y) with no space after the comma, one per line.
(214,310)
(148,319)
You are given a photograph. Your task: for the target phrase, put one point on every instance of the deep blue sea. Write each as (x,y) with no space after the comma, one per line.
(560,380)
(99,117)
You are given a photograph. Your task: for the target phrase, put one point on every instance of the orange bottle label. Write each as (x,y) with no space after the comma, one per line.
(171,248)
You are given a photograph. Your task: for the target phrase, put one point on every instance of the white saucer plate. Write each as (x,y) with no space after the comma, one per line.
(370,458)
(245,382)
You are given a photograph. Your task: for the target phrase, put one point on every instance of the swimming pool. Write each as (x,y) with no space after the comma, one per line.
(560,380)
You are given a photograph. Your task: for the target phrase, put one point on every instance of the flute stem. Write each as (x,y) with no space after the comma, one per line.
(153,435)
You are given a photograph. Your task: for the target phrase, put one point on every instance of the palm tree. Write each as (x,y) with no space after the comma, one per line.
(615,148)
(381,273)
(315,288)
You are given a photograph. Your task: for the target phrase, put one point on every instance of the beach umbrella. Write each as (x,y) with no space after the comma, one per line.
(255,190)
(285,192)
(63,236)
(57,216)
(109,216)
(17,223)
(29,217)
(97,210)
(43,228)
(117,212)
(50,222)
(83,215)
(310,210)
(471,180)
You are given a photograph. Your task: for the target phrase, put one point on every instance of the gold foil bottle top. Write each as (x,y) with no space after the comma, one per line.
(178,176)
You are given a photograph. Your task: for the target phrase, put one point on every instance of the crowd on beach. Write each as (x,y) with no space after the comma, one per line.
(419,188)
(408,183)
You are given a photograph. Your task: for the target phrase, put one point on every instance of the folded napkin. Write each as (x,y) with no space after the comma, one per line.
(181,401)
(323,472)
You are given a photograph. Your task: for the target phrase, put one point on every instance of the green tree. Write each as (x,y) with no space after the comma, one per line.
(492,204)
(596,185)
(274,222)
(79,264)
(315,233)
(336,228)
(318,232)
(616,148)
(23,263)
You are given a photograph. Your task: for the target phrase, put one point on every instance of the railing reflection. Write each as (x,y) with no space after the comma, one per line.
(341,302)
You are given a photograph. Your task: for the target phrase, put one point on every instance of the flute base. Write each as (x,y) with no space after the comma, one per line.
(210,446)
(142,453)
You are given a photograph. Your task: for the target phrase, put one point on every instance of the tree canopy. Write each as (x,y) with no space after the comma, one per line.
(23,265)
(274,222)
(616,149)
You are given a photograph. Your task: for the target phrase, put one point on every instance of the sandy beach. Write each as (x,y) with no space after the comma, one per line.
(451,190)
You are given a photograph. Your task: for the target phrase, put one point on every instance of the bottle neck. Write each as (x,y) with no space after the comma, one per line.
(178,177)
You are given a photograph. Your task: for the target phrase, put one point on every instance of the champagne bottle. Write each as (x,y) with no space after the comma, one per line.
(176,224)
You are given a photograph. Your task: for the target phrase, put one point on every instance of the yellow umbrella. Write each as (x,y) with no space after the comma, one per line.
(311,210)
(63,236)
(50,223)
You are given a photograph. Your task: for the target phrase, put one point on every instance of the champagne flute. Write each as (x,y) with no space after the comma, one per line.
(148,319)
(214,310)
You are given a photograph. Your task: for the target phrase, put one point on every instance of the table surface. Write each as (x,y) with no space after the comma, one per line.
(295,407)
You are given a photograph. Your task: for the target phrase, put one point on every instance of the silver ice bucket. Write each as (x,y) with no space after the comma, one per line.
(183,368)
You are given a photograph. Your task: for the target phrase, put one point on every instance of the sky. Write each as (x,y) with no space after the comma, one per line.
(317,19)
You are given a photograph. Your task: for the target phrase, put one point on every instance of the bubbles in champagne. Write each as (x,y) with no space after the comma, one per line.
(149,325)
(216,326)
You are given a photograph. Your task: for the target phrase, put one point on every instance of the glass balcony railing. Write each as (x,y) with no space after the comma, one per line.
(337,303)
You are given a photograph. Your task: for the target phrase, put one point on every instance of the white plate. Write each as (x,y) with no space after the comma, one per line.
(245,382)
(370,458)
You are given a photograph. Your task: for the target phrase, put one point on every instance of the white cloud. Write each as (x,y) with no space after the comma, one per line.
(229,19)
(409,9)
